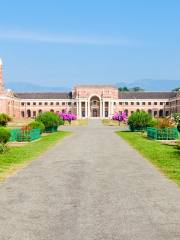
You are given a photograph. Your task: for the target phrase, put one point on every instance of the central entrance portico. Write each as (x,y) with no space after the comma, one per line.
(95,107)
(95,101)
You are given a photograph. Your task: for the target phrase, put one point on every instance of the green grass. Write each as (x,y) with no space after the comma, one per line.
(77,122)
(165,157)
(17,157)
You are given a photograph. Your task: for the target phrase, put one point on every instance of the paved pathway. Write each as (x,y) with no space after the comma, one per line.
(91,186)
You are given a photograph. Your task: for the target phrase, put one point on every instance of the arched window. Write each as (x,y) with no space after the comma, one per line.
(28,113)
(126,111)
(52,110)
(155,113)
(161,113)
(150,112)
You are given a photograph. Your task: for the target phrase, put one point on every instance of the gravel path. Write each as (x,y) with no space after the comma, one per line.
(90,186)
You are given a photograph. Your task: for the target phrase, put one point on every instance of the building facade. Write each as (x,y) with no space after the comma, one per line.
(87,101)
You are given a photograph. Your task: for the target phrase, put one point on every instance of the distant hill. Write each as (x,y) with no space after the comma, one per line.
(152,85)
(29,87)
(146,84)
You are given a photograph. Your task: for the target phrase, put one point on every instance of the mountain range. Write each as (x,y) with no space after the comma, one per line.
(146,84)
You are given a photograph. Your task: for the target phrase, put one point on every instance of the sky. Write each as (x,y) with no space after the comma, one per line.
(68,42)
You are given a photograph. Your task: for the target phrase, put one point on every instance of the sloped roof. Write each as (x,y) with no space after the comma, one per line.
(146,95)
(45,95)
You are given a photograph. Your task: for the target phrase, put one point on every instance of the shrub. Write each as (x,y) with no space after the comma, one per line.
(178,126)
(153,122)
(37,124)
(4,119)
(164,123)
(4,135)
(139,120)
(49,119)
(176,117)
(67,116)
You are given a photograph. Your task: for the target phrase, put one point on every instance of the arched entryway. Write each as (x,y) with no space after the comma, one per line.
(95,106)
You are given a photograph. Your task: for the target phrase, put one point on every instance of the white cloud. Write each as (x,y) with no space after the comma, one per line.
(28,36)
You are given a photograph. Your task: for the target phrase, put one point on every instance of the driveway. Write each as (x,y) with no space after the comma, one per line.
(90,186)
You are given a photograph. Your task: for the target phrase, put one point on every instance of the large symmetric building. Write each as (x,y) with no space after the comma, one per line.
(87,101)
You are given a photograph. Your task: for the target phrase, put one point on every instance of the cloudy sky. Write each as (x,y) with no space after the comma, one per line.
(67,42)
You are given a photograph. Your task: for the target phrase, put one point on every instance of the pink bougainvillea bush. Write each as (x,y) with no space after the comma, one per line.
(120,117)
(67,116)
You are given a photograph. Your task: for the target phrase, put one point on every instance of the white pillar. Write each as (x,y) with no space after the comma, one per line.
(77,108)
(102,109)
(86,109)
(89,112)
(80,111)
(109,109)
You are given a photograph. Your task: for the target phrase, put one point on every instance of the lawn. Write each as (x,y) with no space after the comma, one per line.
(110,122)
(19,156)
(165,157)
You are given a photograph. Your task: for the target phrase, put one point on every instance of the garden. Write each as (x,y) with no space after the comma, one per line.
(156,139)
(21,143)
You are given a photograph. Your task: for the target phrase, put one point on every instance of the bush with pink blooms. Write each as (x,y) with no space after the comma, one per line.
(120,117)
(68,116)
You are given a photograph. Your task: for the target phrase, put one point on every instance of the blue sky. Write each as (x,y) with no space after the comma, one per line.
(67,42)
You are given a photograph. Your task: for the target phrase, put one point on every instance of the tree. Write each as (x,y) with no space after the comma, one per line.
(176,89)
(137,89)
(120,117)
(123,89)
(4,119)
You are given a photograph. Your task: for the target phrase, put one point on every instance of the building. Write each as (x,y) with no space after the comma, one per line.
(87,101)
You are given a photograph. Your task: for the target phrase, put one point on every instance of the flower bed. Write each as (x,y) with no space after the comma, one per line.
(162,133)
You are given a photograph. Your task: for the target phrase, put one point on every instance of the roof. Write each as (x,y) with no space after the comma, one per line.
(45,95)
(95,86)
(146,95)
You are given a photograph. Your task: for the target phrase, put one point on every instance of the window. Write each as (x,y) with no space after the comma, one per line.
(22,114)
(132,103)
(34,103)
(167,103)
(143,103)
(28,103)
(155,103)
(74,103)
(69,103)
(137,103)
(83,113)
(46,103)
(120,103)
(63,103)
(106,104)
(34,113)
(40,103)
(167,113)
(149,103)
(114,103)
(161,103)
(51,103)
(22,104)
(155,113)
(57,103)
(126,103)
(132,112)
